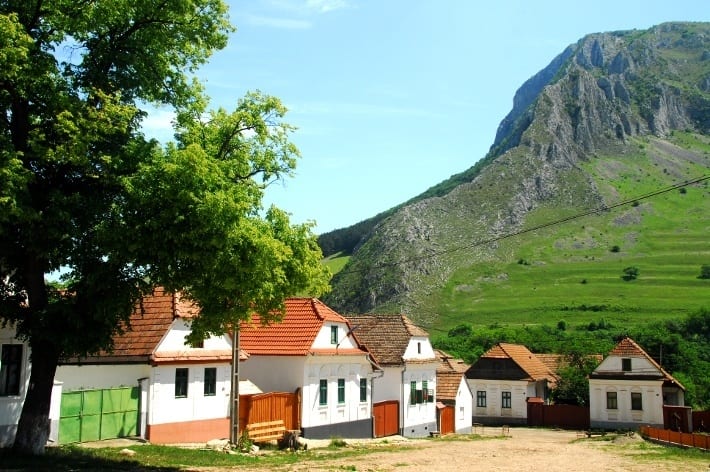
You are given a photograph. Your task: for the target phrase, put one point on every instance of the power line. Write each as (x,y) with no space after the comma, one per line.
(534,228)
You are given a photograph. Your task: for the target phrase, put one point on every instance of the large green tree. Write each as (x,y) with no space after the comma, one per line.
(83,190)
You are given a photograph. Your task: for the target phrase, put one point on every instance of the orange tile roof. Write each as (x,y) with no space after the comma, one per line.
(527,362)
(447,385)
(386,336)
(295,334)
(449,364)
(150,321)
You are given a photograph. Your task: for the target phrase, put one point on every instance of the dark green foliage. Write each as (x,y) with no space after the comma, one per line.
(704,271)
(630,273)
(573,384)
(615,248)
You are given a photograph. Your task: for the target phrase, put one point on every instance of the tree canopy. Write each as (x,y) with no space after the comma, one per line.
(82,189)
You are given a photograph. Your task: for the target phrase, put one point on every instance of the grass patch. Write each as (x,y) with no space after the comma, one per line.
(336,262)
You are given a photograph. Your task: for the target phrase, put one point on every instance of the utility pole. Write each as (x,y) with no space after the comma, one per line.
(234,392)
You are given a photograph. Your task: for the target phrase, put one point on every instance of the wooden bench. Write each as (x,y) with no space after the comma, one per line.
(267,431)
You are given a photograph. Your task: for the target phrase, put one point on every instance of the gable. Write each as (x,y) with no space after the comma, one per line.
(389,338)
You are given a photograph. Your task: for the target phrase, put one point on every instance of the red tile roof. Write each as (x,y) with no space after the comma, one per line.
(386,336)
(150,321)
(295,334)
(447,385)
(449,364)
(530,365)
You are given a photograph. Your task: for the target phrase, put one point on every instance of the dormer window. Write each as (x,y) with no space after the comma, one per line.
(333,334)
(626,364)
(419,348)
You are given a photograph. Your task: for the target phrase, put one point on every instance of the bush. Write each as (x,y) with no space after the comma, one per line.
(630,273)
(615,248)
(704,271)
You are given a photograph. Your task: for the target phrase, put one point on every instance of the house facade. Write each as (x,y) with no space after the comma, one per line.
(14,381)
(501,382)
(406,357)
(454,399)
(629,389)
(182,391)
(312,351)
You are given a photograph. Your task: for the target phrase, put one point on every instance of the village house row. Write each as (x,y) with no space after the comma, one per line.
(324,375)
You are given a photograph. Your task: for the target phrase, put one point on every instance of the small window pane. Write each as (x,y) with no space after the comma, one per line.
(363,390)
(413,393)
(323,392)
(341,390)
(636,401)
(181,383)
(210,381)
(626,365)
(481,399)
(425,391)
(10,369)
(506,400)
(611,403)
(333,335)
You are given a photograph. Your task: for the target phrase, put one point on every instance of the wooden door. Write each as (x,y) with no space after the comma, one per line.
(386,416)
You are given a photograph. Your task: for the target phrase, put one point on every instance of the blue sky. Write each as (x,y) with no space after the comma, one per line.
(391,97)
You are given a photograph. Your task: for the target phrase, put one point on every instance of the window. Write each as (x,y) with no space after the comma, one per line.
(181,383)
(626,365)
(413,393)
(481,399)
(506,400)
(323,392)
(363,390)
(419,348)
(10,369)
(425,392)
(636,401)
(341,390)
(210,381)
(333,335)
(611,403)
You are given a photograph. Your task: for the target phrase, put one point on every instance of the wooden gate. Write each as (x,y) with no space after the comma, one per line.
(92,415)
(272,406)
(446,420)
(386,418)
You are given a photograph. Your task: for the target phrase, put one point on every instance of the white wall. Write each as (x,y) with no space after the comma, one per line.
(345,338)
(85,377)
(463,413)
(387,386)
(419,348)
(11,406)
(520,390)
(421,413)
(651,402)
(174,340)
(274,373)
(165,408)
(332,368)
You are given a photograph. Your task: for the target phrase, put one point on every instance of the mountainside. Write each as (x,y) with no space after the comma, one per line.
(612,118)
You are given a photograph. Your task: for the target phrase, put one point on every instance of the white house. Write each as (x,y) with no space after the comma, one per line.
(182,392)
(502,380)
(312,351)
(408,363)
(14,380)
(629,389)
(454,399)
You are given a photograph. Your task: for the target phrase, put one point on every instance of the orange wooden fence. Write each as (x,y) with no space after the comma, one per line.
(273,406)
(701,441)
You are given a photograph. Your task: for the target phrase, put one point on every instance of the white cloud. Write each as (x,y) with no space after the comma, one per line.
(324,6)
(159,124)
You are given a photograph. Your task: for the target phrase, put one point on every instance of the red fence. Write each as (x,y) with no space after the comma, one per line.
(701,421)
(701,441)
(558,416)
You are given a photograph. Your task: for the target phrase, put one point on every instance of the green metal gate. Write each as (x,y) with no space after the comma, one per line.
(91,415)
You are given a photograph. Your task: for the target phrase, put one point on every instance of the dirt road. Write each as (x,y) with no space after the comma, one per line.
(524,450)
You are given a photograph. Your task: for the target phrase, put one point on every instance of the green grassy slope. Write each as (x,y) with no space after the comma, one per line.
(573,271)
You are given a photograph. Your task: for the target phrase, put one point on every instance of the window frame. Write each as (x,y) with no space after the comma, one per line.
(11,357)
(210,382)
(413,392)
(481,399)
(363,390)
(323,392)
(506,399)
(182,375)
(341,391)
(612,401)
(636,401)
(425,391)
(334,334)
(626,364)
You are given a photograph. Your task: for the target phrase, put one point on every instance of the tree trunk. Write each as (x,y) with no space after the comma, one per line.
(33,427)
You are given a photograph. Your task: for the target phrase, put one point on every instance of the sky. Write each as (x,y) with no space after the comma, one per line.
(391,97)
